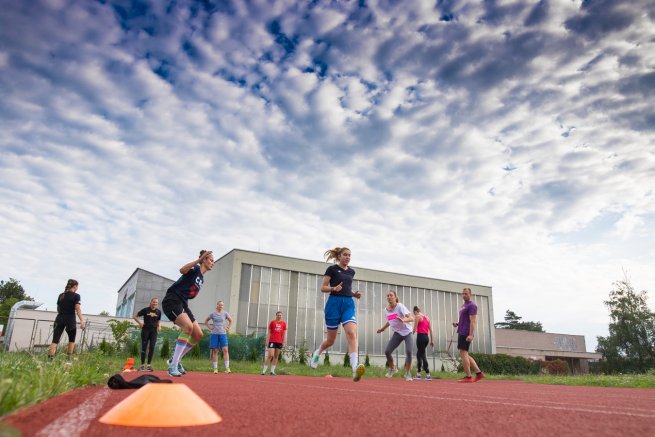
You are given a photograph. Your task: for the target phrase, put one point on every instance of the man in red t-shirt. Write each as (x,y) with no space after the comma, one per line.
(275,339)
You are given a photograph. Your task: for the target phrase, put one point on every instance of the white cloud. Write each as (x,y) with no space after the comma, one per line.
(497,143)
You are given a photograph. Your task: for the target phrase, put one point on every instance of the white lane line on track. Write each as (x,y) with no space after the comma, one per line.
(568,408)
(74,422)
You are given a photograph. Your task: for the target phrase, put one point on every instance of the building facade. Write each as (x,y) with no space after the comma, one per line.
(546,346)
(138,290)
(255,285)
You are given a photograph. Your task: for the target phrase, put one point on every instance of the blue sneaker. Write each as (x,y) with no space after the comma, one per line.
(313,363)
(173,372)
(180,369)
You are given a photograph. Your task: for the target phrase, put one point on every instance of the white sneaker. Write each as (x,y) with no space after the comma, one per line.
(391,372)
(313,363)
(408,377)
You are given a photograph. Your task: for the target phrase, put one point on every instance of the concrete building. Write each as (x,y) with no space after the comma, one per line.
(138,290)
(546,346)
(255,285)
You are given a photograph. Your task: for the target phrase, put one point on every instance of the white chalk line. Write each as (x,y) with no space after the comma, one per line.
(568,407)
(73,423)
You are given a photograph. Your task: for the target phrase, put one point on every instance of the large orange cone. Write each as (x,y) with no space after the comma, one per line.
(162,405)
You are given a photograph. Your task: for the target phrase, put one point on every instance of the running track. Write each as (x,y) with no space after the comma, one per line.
(254,405)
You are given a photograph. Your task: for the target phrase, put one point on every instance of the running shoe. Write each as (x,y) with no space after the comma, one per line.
(418,377)
(142,368)
(215,371)
(179,366)
(408,377)
(173,372)
(428,377)
(466,379)
(273,373)
(479,376)
(313,363)
(227,370)
(359,372)
(149,368)
(263,372)
(391,372)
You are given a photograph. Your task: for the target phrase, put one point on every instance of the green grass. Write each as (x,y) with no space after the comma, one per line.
(27,379)
(626,381)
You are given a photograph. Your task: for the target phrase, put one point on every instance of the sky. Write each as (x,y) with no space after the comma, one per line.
(501,143)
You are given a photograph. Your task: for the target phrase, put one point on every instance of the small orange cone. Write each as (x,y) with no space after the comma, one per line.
(129,365)
(161,405)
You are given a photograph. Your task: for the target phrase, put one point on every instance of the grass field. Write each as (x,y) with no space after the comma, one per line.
(27,379)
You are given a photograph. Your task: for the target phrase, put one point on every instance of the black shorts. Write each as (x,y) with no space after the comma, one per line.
(64,322)
(462,344)
(273,345)
(173,306)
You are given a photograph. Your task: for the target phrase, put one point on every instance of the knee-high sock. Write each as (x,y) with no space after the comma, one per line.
(354,360)
(182,343)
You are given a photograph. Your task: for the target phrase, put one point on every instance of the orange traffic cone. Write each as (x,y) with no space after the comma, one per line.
(162,405)
(129,365)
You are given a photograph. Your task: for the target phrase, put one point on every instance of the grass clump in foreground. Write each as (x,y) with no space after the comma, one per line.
(27,379)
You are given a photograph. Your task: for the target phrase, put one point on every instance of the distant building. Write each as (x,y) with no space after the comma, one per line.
(255,285)
(138,290)
(546,346)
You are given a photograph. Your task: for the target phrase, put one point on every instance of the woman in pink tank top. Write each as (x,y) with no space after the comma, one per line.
(424,336)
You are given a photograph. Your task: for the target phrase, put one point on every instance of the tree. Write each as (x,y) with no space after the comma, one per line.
(512,321)
(104,313)
(11,292)
(629,345)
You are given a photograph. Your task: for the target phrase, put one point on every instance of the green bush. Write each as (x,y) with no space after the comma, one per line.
(367,361)
(346,360)
(501,364)
(133,348)
(165,351)
(326,360)
(106,348)
(303,352)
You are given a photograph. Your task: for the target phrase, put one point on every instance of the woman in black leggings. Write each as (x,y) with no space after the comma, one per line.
(422,328)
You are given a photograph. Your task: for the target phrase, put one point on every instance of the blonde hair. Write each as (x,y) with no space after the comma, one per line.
(334,253)
(395,295)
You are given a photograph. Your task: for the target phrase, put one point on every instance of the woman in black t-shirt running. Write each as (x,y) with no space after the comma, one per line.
(68,304)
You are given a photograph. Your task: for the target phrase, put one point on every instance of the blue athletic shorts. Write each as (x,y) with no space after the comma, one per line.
(217,340)
(339,310)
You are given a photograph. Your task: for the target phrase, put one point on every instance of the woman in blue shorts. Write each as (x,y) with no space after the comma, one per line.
(340,307)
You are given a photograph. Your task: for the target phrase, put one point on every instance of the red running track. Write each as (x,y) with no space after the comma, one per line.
(254,405)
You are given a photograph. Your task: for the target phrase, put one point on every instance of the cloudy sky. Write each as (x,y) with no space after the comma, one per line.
(502,143)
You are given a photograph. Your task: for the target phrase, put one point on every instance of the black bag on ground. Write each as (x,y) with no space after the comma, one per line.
(118,382)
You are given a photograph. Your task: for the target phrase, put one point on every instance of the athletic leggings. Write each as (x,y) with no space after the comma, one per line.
(148,340)
(395,341)
(422,341)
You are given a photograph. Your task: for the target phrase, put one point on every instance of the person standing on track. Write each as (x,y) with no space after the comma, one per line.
(465,332)
(68,304)
(149,329)
(400,320)
(277,332)
(340,308)
(175,306)
(424,336)
(218,337)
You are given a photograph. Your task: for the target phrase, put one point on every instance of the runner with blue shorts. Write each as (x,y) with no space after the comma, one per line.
(340,308)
